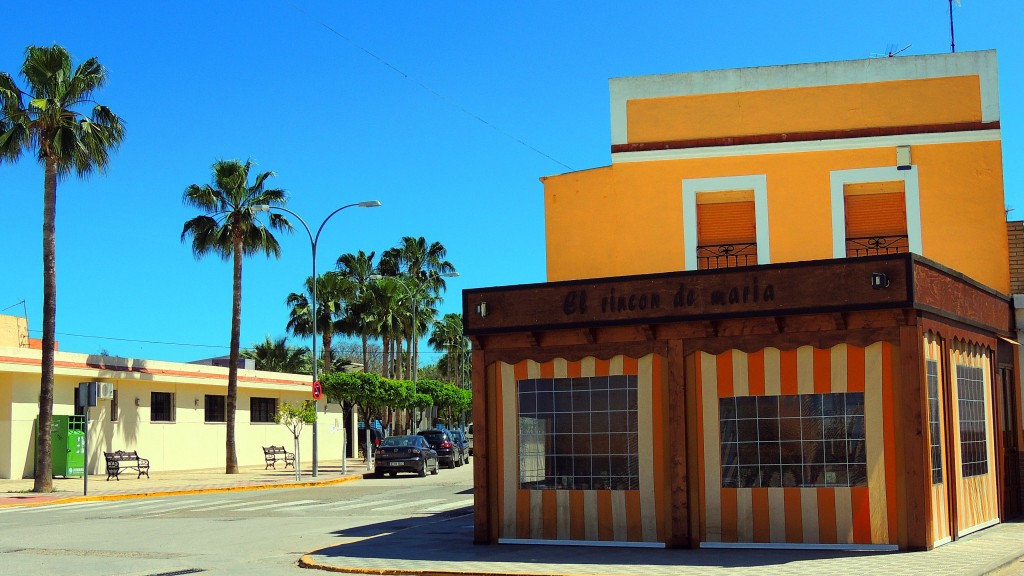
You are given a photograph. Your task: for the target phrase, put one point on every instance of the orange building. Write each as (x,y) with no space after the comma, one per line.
(780,317)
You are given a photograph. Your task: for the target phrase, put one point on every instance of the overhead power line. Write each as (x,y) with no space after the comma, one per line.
(446,99)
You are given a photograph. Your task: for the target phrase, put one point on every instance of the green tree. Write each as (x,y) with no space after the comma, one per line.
(387,307)
(446,336)
(333,290)
(276,356)
(229,228)
(45,118)
(294,417)
(420,265)
(358,268)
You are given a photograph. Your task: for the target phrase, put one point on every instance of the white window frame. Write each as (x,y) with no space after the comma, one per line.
(758,183)
(911,194)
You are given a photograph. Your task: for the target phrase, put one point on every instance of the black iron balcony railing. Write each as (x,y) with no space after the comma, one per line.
(712,256)
(873,245)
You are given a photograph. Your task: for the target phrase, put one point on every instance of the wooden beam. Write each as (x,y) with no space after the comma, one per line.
(485,500)
(676,436)
(912,412)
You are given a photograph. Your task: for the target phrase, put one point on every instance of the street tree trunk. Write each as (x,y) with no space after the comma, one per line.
(44,450)
(231,458)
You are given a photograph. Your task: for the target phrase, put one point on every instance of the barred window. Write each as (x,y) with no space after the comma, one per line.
(214,408)
(934,426)
(161,408)
(262,410)
(578,433)
(970,385)
(793,440)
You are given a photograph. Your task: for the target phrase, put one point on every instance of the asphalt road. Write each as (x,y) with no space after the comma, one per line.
(251,533)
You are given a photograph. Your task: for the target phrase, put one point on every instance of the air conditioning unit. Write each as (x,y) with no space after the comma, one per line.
(105,390)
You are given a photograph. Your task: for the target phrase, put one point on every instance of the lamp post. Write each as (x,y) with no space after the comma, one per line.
(415,349)
(313,239)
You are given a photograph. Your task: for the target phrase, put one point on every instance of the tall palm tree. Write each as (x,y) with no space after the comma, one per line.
(421,265)
(358,268)
(45,119)
(386,306)
(230,228)
(446,336)
(333,291)
(276,356)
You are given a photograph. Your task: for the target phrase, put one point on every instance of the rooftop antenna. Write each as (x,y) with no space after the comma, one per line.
(892,52)
(952,41)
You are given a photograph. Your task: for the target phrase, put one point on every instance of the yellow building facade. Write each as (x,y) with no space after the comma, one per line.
(171,413)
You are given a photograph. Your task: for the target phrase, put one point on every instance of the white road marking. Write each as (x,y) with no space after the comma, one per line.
(451,505)
(405,505)
(275,504)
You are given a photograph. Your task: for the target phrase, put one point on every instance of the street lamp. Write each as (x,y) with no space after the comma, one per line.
(415,348)
(312,242)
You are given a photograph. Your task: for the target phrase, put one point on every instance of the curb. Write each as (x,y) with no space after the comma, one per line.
(134,495)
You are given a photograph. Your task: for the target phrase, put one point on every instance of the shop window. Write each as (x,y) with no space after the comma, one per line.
(578,433)
(161,407)
(262,410)
(793,440)
(970,386)
(934,425)
(214,409)
(726,232)
(876,219)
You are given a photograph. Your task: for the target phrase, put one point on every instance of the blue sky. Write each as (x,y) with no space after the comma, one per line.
(448,113)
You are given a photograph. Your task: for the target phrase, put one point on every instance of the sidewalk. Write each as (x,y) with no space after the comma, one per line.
(446,547)
(166,483)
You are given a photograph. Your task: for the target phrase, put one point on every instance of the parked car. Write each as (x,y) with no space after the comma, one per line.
(406,454)
(460,438)
(448,453)
(376,436)
(469,439)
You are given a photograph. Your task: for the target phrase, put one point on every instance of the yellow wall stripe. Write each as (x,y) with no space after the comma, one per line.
(536,513)
(805,370)
(563,512)
(712,455)
(620,519)
(740,374)
(875,440)
(590,514)
(844,516)
(744,515)
(509,448)
(772,372)
(645,432)
(777,513)
(809,515)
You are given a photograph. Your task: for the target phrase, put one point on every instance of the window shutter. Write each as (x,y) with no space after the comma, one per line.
(876,215)
(725,223)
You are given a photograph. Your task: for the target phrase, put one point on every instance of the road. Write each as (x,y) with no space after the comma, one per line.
(252,533)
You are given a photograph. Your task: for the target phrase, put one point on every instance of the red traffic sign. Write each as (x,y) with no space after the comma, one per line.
(318,390)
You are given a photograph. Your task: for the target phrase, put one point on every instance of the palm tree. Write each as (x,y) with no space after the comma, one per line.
(230,228)
(422,266)
(45,119)
(333,291)
(386,305)
(276,356)
(446,336)
(358,268)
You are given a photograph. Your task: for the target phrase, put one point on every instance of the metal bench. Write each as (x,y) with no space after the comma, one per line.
(274,453)
(125,460)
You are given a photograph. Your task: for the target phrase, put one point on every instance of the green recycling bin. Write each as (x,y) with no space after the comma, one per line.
(67,442)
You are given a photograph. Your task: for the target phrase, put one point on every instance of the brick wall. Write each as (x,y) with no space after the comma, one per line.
(1015,230)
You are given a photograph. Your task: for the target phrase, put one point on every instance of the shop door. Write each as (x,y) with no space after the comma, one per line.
(973,440)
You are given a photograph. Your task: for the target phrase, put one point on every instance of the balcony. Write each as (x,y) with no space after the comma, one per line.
(711,256)
(875,245)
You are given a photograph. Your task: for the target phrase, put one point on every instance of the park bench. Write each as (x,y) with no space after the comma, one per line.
(125,460)
(275,453)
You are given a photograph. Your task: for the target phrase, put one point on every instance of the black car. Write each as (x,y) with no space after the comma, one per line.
(405,454)
(447,451)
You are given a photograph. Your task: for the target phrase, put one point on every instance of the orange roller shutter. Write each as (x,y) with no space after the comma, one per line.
(725,223)
(876,215)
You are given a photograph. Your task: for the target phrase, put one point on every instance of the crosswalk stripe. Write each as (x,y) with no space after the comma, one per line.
(62,507)
(226,505)
(272,505)
(405,505)
(354,505)
(451,505)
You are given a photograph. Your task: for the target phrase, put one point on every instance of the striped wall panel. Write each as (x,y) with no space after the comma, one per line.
(940,529)
(798,515)
(977,498)
(586,515)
